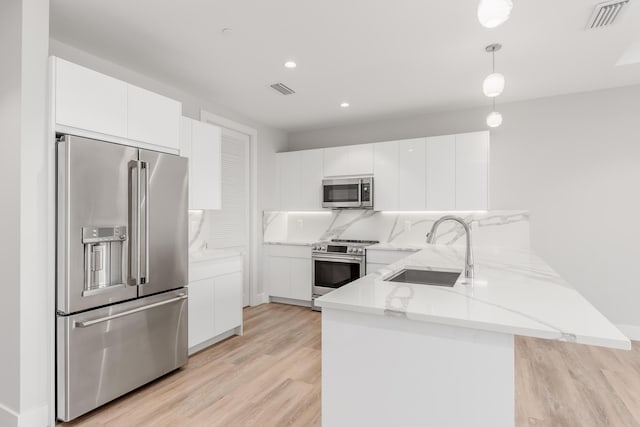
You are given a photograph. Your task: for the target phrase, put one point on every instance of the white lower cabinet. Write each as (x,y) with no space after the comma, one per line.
(227,298)
(287,271)
(201,317)
(215,301)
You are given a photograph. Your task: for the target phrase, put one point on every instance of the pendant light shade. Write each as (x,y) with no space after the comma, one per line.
(492,13)
(493,85)
(494,119)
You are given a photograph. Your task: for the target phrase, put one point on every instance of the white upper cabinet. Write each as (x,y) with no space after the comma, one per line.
(300,180)
(311,175)
(89,100)
(472,171)
(411,174)
(441,173)
(99,106)
(349,160)
(385,176)
(201,143)
(153,118)
(289,172)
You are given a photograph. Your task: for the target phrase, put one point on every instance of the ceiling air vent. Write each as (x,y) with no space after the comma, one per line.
(283,89)
(606,13)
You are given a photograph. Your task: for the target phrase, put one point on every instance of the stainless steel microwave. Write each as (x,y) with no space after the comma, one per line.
(348,193)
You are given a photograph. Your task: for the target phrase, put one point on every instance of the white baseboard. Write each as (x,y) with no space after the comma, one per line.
(631,331)
(262,298)
(37,417)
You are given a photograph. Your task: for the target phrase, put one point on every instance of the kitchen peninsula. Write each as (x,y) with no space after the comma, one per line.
(410,354)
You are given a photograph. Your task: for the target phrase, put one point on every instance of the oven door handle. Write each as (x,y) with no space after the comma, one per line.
(337,259)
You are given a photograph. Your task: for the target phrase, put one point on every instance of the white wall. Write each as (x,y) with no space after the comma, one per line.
(25,216)
(574,162)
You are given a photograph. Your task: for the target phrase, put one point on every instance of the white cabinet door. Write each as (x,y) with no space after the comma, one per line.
(361,159)
(411,174)
(350,160)
(472,171)
(153,118)
(205,173)
(227,308)
(385,176)
(278,277)
(310,180)
(289,172)
(201,143)
(201,315)
(441,173)
(89,100)
(300,279)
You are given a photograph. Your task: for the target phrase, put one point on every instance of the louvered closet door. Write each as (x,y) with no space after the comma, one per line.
(230,226)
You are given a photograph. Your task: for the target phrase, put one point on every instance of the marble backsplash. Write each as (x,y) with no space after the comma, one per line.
(490,228)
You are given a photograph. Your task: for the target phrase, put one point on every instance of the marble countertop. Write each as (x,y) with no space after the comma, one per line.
(514,292)
(384,246)
(290,242)
(212,254)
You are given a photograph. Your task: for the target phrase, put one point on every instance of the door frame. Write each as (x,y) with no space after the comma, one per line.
(254,239)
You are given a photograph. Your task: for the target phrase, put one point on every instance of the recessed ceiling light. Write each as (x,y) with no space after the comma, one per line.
(290,64)
(344,105)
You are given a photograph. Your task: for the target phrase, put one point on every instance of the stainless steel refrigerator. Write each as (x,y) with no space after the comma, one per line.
(122,262)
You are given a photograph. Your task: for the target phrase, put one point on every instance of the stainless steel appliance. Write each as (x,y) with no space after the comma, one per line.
(122,262)
(348,193)
(336,263)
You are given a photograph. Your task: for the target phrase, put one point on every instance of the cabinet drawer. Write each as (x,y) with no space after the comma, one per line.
(290,251)
(206,269)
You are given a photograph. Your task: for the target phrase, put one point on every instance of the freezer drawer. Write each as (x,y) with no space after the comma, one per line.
(107,352)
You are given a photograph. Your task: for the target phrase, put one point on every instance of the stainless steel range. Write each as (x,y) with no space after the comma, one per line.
(336,263)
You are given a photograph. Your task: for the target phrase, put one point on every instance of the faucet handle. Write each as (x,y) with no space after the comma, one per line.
(429,234)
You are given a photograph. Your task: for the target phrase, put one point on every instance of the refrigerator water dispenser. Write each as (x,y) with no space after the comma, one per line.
(105,256)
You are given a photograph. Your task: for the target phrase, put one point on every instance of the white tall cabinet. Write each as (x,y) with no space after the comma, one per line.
(201,143)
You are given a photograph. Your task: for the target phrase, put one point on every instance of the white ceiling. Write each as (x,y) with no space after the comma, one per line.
(386,57)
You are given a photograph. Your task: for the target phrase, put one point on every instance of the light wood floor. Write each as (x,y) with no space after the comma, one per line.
(271,377)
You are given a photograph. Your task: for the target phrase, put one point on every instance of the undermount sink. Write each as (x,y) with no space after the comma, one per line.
(446,278)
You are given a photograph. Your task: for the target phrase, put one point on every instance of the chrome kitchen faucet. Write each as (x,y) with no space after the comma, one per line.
(468,262)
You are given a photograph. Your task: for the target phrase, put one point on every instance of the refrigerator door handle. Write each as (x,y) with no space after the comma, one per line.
(87,323)
(134,252)
(145,166)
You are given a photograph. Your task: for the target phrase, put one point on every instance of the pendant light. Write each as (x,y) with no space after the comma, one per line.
(493,13)
(494,119)
(493,84)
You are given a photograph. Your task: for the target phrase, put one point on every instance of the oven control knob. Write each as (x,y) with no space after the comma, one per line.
(360,250)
